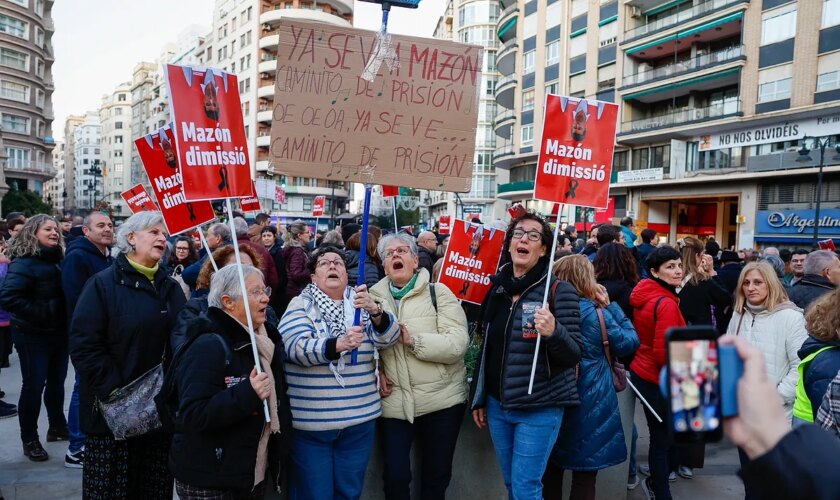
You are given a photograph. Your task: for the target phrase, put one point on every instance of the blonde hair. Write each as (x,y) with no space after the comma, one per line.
(776,293)
(823,317)
(26,242)
(690,248)
(577,270)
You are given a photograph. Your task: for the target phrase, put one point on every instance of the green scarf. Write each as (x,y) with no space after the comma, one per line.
(399,293)
(148,272)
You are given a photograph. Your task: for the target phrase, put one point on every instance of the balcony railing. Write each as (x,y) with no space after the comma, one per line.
(503,150)
(683,116)
(701,61)
(679,17)
(34,167)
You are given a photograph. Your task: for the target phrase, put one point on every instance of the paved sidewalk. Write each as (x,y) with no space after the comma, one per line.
(22,479)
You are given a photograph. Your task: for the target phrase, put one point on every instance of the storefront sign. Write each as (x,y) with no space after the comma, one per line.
(776,132)
(797,222)
(576,151)
(647,174)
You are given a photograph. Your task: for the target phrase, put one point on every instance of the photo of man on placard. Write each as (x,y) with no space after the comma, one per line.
(581,115)
(211,101)
(168,152)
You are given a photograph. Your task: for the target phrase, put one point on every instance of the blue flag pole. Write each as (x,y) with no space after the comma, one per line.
(357,319)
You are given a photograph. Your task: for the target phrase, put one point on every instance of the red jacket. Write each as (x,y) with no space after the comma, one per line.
(650,358)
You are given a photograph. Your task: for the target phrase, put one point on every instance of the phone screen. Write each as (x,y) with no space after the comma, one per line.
(694,385)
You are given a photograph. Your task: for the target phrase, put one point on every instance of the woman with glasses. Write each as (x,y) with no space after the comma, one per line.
(423,379)
(334,401)
(524,423)
(223,447)
(183,255)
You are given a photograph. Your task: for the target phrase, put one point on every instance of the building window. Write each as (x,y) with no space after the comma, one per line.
(489,61)
(15,123)
(12,26)
(18,157)
(529,61)
(490,88)
(620,161)
(774,91)
(577,46)
(660,156)
(307,201)
(14,91)
(831,13)
(828,81)
(39,98)
(527,100)
(552,53)
(39,37)
(553,88)
(527,137)
(608,34)
(641,158)
(777,28)
(13,59)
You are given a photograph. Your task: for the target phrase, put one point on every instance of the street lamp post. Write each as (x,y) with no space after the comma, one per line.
(95,170)
(804,156)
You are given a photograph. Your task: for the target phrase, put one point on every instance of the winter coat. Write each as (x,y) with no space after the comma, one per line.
(778,335)
(728,275)
(197,306)
(591,437)
(696,301)
(32,294)
(431,375)
(266,261)
(371,271)
(629,236)
(120,330)
(554,380)
(278,298)
(82,260)
(642,252)
(822,369)
(220,418)
(5,316)
(190,274)
(655,310)
(299,276)
(808,289)
(797,468)
(619,292)
(426,258)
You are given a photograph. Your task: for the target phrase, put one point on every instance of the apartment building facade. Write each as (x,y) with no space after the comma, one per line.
(87,162)
(715,98)
(26,87)
(68,195)
(116,147)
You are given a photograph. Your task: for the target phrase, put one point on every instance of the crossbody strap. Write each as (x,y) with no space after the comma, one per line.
(605,340)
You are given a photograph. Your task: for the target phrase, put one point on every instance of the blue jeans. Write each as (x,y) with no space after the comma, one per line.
(330,464)
(77,437)
(43,368)
(523,440)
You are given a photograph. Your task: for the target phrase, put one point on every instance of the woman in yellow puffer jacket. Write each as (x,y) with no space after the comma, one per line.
(422,378)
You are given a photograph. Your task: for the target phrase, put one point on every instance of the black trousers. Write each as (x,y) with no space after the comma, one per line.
(436,434)
(136,468)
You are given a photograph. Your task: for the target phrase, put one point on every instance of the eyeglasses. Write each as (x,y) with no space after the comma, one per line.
(397,251)
(518,234)
(325,263)
(257,292)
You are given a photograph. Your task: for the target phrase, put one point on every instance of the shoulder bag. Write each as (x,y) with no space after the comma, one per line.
(619,373)
(130,411)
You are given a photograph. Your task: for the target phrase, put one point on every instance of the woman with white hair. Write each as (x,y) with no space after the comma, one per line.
(120,330)
(223,446)
(423,379)
(334,401)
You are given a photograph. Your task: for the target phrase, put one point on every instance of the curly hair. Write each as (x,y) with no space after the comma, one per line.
(221,256)
(26,241)
(616,262)
(823,317)
(545,232)
(577,270)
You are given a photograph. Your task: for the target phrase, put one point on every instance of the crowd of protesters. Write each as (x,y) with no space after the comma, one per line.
(339,363)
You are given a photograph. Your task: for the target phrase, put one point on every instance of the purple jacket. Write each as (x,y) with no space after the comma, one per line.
(5,316)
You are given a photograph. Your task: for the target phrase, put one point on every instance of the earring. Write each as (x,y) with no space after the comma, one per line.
(133,249)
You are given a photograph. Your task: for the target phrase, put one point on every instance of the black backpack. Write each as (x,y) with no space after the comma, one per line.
(166,401)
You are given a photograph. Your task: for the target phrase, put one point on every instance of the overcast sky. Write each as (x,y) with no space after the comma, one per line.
(98,42)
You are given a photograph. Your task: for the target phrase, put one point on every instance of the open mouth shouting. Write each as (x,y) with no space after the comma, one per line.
(397,265)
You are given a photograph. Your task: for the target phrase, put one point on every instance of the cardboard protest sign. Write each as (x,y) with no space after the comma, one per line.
(414,122)
(443,225)
(210,133)
(471,259)
(160,160)
(318,206)
(251,203)
(576,151)
(138,200)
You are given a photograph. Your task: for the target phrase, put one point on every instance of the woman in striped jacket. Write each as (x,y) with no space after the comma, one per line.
(334,402)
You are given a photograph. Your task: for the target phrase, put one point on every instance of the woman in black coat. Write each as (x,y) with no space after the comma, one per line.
(120,330)
(223,446)
(32,293)
(616,270)
(701,290)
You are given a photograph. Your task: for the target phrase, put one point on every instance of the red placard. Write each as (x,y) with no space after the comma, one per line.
(516,210)
(471,259)
(606,214)
(576,151)
(390,191)
(160,160)
(210,133)
(251,203)
(827,245)
(444,225)
(279,194)
(318,206)
(138,200)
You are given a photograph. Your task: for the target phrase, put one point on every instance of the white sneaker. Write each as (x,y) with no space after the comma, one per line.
(74,460)
(686,472)
(672,477)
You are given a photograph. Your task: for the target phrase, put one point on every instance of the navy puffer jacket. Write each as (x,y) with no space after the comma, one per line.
(591,437)
(554,382)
